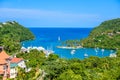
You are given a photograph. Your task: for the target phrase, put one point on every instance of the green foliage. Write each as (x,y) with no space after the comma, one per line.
(34,58)
(11,34)
(54,68)
(106,35)
(71,43)
(1,77)
(69,75)
(92,68)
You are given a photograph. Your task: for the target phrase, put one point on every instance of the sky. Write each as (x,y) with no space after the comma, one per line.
(59,13)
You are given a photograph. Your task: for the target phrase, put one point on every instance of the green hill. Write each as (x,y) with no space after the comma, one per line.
(106,35)
(11,34)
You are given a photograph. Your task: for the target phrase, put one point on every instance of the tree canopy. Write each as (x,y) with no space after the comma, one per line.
(11,34)
(106,35)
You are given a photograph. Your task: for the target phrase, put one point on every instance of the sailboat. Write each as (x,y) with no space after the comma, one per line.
(85,54)
(96,51)
(102,51)
(49,51)
(59,38)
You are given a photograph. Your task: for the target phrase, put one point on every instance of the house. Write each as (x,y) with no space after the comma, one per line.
(110,34)
(19,61)
(118,32)
(14,63)
(4,64)
(13,70)
(8,65)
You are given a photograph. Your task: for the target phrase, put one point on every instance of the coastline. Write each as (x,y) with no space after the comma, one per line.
(66,47)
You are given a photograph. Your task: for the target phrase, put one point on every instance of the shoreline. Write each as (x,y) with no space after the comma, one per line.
(66,47)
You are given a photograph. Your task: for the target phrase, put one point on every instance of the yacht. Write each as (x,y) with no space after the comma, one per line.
(112,55)
(72,51)
(86,55)
(48,51)
(102,50)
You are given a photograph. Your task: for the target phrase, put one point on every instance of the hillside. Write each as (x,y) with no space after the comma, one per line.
(106,35)
(11,34)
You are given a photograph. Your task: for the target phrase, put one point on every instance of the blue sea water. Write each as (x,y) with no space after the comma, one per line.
(48,38)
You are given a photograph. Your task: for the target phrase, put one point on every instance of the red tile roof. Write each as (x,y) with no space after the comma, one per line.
(1,72)
(3,55)
(16,60)
(3,62)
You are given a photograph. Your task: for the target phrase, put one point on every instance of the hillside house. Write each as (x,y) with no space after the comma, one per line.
(8,65)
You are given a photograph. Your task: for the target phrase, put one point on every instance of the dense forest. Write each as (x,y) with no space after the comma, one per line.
(11,34)
(56,68)
(106,35)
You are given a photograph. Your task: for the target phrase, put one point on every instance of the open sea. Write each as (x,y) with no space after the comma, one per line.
(48,38)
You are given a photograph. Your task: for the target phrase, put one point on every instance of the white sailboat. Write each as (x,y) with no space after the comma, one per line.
(96,51)
(49,51)
(58,38)
(102,51)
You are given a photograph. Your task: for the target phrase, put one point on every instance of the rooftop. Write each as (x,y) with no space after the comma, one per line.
(16,60)
(3,55)
(3,62)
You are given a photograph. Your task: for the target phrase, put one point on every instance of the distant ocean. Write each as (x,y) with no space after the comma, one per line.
(48,38)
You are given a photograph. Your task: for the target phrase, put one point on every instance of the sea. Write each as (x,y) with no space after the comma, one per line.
(50,38)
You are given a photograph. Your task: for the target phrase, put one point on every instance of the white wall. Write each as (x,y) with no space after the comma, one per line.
(22,64)
(13,72)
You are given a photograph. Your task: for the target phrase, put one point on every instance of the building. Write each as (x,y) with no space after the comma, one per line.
(8,65)
(13,70)
(4,64)
(19,61)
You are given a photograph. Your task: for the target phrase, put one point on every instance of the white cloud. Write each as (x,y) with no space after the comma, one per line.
(41,14)
(48,18)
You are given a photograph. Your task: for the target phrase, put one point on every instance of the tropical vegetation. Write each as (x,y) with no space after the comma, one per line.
(55,68)
(106,35)
(11,34)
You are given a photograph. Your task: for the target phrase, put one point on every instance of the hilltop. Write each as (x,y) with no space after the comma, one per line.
(11,34)
(106,35)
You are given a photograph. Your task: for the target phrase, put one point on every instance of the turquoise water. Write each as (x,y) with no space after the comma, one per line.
(48,38)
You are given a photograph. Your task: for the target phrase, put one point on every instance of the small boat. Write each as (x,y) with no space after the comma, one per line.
(86,55)
(102,50)
(111,51)
(96,51)
(112,55)
(59,38)
(48,51)
(72,51)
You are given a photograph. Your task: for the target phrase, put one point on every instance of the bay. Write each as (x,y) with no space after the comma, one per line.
(50,38)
